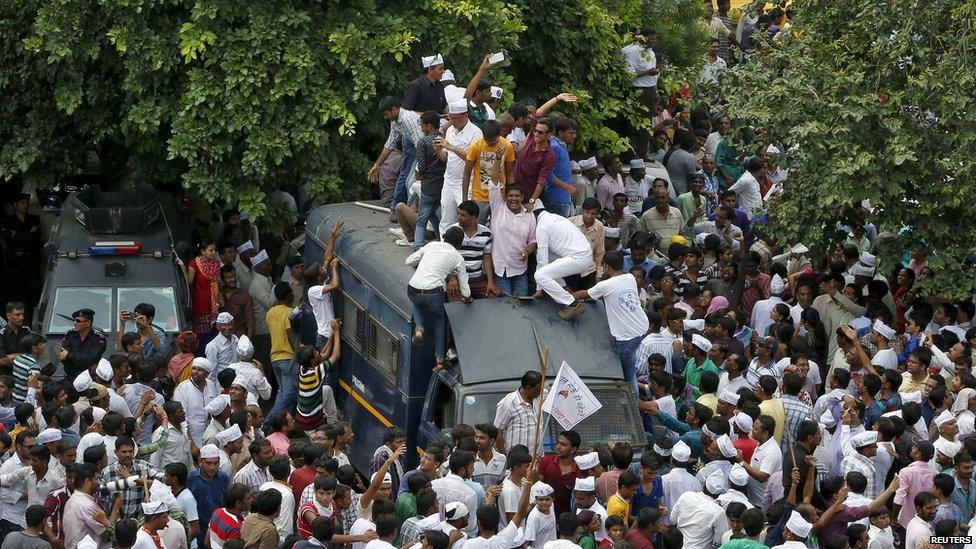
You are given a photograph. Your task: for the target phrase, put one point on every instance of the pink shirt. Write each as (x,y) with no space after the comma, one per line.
(511,233)
(280,443)
(913,479)
(78,522)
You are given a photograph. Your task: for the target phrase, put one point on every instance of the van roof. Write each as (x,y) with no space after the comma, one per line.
(495,338)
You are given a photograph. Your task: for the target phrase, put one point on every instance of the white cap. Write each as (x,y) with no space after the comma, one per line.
(717,483)
(868,260)
(798,525)
(82,382)
(245,247)
(859,269)
(245,349)
(201,362)
(259,257)
(86,442)
(738,475)
(98,413)
(588,163)
(776,285)
(538,206)
(574,166)
(611,232)
(693,324)
(701,342)
(387,478)
(827,419)
(104,370)
(947,447)
(681,452)
(867,438)
(728,397)
(159,491)
(225,318)
(459,106)
(743,421)
(637,164)
(455,510)
(943,418)
(209,451)
(914,396)
(661,451)
(496,92)
(217,405)
(541,490)
(87,543)
(154,508)
(229,435)
(585,485)
(448,76)
(883,329)
(49,435)
(432,60)
(587,461)
(772,149)
(725,446)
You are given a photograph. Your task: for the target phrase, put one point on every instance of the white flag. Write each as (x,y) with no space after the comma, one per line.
(570,401)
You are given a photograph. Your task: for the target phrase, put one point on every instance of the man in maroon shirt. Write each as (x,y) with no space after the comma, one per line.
(560,471)
(536,158)
(305,475)
(648,523)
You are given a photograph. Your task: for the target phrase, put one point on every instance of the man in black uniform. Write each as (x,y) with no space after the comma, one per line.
(22,242)
(10,336)
(81,347)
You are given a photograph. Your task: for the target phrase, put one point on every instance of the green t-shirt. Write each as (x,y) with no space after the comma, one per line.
(742,544)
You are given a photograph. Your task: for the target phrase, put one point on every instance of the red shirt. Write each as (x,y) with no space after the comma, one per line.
(747,446)
(533,166)
(300,479)
(562,485)
(638,540)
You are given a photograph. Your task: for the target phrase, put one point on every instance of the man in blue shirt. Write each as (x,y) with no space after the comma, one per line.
(559,190)
(208,486)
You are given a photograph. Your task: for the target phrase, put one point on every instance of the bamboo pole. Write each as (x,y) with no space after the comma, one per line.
(538,418)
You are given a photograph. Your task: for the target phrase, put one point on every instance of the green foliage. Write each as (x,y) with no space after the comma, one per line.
(874,101)
(237,98)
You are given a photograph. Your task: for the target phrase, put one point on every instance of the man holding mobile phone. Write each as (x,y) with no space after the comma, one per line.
(479,91)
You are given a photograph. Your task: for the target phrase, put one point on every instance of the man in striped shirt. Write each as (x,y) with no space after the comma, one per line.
(25,364)
(476,251)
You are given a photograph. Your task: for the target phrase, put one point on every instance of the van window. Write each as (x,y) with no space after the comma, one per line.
(441,411)
(383,350)
(163,299)
(69,300)
(480,407)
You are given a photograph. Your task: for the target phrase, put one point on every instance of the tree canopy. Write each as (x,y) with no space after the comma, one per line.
(873,101)
(235,99)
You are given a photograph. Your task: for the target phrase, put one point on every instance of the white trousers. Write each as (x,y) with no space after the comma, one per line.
(548,278)
(450,200)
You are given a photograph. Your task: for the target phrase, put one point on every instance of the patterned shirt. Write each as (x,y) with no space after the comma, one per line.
(861,464)
(308,413)
(430,166)
(473,249)
(224,526)
(796,412)
(252,476)
(515,419)
(490,473)
(132,498)
(25,365)
(407,124)
(54,506)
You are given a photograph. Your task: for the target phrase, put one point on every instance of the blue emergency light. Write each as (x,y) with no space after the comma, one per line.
(114,248)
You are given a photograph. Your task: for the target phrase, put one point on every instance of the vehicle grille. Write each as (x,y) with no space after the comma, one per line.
(616,421)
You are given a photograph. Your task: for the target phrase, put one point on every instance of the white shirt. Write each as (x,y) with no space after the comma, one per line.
(434,262)
(258,386)
(886,358)
(221,352)
(733,384)
(700,519)
(23,479)
(598,509)
(639,58)
(636,192)
(508,500)
(144,540)
(676,482)
(360,527)
(487,474)
(379,544)
(660,343)
(760,314)
(792,545)
(560,544)
(262,294)
(625,315)
(321,302)
(253,476)
(746,189)
(540,529)
(193,401)
(452,488)
(712,142)
(712,71)
(504,539)
(768,458)
(557,236)
(811,380)
(454,172)
(882,539)
(285,521)
(918,531)
(175,450)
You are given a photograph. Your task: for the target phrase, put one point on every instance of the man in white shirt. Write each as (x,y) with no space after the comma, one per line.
(222,349)
(434,263)
(454,149)
(761,320)
(746,188)
(796,532)
(678,480)
(320,299)
(637,185)
(766,460)
(562,251)
(176,449)
(248,373)
(627,319)
(699,517)
(515,413)
(452,486)
(194,394)
(36,480)
(919,529)
(262,295)
(386,530)
(280,468)
(642,63)
(584,493)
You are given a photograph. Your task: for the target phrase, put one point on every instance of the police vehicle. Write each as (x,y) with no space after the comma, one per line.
(110,251)
(385,381)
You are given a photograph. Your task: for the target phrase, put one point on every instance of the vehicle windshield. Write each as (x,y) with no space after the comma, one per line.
(69,300)
(163,299)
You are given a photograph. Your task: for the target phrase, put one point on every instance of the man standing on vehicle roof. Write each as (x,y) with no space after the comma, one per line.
(82,347)
(562,251)
(222,349)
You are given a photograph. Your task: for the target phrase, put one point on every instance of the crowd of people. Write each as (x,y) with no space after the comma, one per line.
(788,400)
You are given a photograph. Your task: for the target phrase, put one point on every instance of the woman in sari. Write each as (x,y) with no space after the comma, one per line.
(179,365)
(203,276)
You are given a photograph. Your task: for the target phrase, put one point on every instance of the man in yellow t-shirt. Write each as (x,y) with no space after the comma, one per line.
(282,351)
(619,503)
(490,160)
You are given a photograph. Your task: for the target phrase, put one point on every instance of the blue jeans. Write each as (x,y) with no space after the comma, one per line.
(427,213)
(429,315)
(516,285)
(564,209)
(286,372)
(406,170)
(626,351)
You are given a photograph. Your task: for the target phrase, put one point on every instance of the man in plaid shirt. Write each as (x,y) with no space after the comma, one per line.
(796,410)
(127,466)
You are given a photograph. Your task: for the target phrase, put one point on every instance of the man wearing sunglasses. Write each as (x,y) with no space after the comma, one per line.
(81,347)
